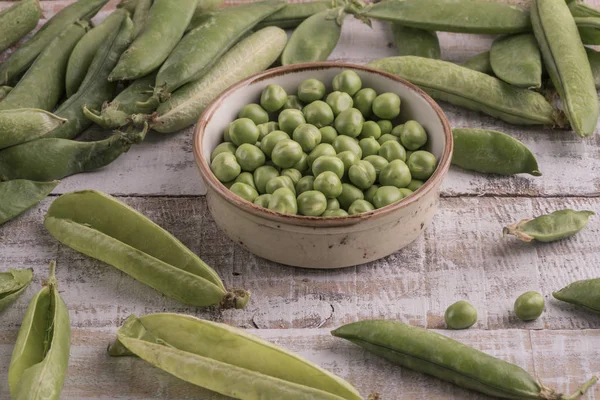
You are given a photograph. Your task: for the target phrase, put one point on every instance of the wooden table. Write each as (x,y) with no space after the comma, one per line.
(462,255)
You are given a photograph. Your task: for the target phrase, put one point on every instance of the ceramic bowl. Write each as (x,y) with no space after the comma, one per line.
(317,242)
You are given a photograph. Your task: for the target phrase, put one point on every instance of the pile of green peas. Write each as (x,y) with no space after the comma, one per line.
(323,154)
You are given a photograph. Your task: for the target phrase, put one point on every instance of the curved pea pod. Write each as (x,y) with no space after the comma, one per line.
(212,353)
(164,28)
(431,353)
(516,59)
(39,362)
(492,152)
(17,21)
(585,293)
(253,54)
(4,91)
(474,90)
(462,16)
(594,59)
(589,35)
(480,62)
(21,59)
(12,283)
(91,222)
(140,15)
(293,14)
(25,124)
(416,42)
(551,227)
(19,195)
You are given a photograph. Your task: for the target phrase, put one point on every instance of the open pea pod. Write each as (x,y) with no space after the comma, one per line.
(585,293)
(40,358)
(12,284)
(551,227)
(226,360)
(19,195)
(100,226)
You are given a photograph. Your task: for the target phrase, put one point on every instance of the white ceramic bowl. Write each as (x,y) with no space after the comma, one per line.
(317,242)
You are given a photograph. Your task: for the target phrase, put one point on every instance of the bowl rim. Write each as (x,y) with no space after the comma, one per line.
(316,222)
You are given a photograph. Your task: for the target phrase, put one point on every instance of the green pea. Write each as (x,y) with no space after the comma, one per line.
(280,182)
(328,134)
(302,164)
(283,200)
(388,137)
(312,203)
(328,183)
(305,183)
(349,122)
(311,90)
(349,159)
(294,174)
(308,136)
(369,146)
(339,101)
(386,195)
(387,106)
(318,113)
(225,147)
(266,128)
(333,204)
(392,150)
(349,195)
(415,184)
(363,101)
(362,174)
(347,82)
(286,153)
(225,167)
(247,178)
(328,163)
(422,164)
(378,162)
(263,200)
(370,193)
(293,102)
(359,207)
(226,133)
(268,143)
(396,173)
(397,131)
(244,191)
(460,315)
(335,213)
(249,157)
(405,192)
(324,149)
(413,135)
(254,112)
(385,126)
(290,119)
(243,130)
(370,129)
(529,306)
(273,97)
(262,175)
(346,143)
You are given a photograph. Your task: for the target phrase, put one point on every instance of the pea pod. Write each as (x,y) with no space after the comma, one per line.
(25,124)
(20,195)
(431,353)
(12,283)
(128,5)
(253,54)
(293,14)
(480,62)
(213,352)
(492,152)
(416,42)
(4,91)
(17,21)
(471,89)
(589,35)
(551,227)
(594,59)
(140,15)
(91,222)
(516,59)
(21,59)
(164,28)
(585,293)
(41,355)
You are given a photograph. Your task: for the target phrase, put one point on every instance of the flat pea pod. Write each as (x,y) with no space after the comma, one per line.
(480,62)
(551,227)
(293,14)
(17,21)
(589,35)
(253,54)
(315,38)
(594,59)
(207,354)
(567,63)
(12,284)
(39,362)
(461,16)
(474,90)
(20,195)
(164,28)
(584,293)
(21,59)
(416,42)
(516,59)
(92,223)
(43,84)
(429,352)
(4,91)
(25,124)
(140,15)
(492,152)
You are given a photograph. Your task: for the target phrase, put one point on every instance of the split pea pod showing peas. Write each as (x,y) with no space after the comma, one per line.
(471,89)
(416,42)
(516,59)
(212,353)
(480,62)
(12,284)
(585,293)
(551,227)
(437,355)
(38,366)
(90,222)
(22,58)
(26,124)
(293,14)
(19,195)
(17,21)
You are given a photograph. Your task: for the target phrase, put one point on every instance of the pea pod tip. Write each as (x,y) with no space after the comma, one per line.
(236,298)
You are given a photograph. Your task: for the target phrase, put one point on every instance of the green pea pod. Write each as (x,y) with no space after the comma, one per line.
(14,282)
(471,89)
(516,59)
(25,124)
(594,59)
(164,28)
(551,227)
(585,293)
(43,84)
(293,14)
(41,355)
(567,63)
(21,59)
(84,52)
(428,352)
(95,88)
(20,195)
(213,352)
(91,222)
(416,42)
(315,38)
(492,152)
(140,15)
(17,21)
(253,54)
(480,62)
(4,91)
(589,35)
